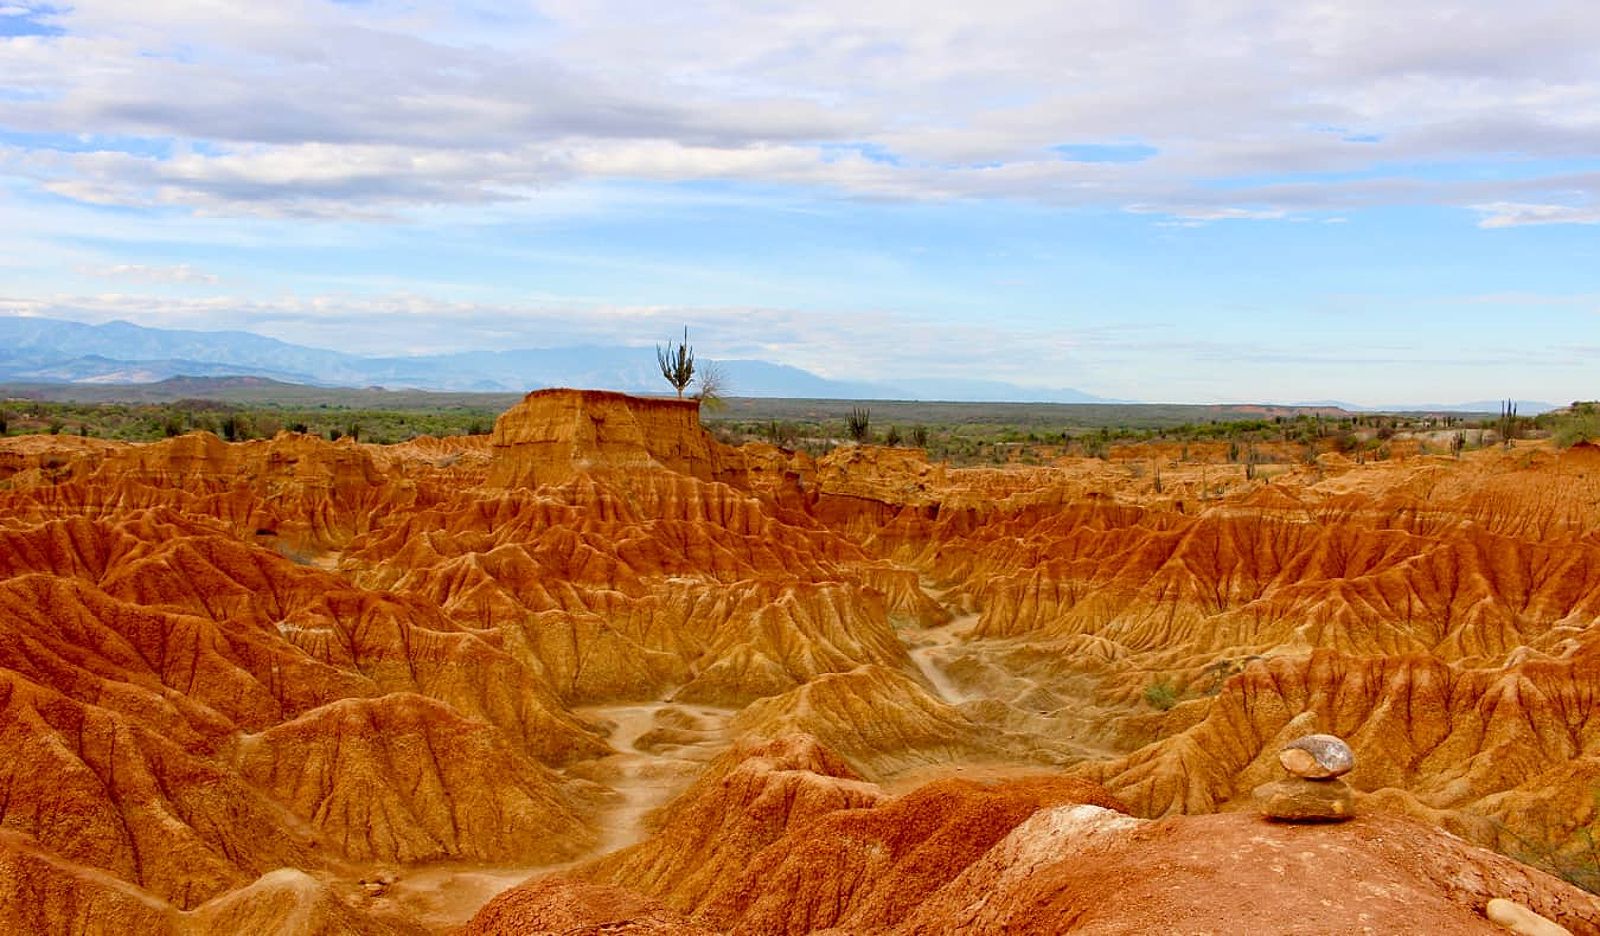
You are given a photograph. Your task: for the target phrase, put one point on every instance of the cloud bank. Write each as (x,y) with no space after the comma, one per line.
(1199,111)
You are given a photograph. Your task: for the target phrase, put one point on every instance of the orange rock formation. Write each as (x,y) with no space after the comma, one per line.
(1036,856)
(299,679)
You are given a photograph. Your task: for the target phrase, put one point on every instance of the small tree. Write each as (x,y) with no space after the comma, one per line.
(677,364)
(859,423)
(892,437)
(778,433)
(713,386)
(919,436)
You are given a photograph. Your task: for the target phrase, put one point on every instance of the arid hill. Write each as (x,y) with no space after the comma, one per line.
(685,688)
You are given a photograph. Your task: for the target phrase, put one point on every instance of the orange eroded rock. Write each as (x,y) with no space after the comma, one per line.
(553,435)
(750,798)
(556,905)
(218,662)
(403,778)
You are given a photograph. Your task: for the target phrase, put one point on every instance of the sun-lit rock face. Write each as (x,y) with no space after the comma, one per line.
(1438,613)
(782,836)
(778,842)
(561,905)
(745,691)
(553,435)
(351,771)
(744,802)
(877,718)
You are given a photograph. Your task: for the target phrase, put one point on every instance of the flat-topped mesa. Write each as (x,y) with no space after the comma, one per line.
(553,435)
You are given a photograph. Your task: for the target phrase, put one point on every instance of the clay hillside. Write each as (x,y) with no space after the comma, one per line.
(597,673)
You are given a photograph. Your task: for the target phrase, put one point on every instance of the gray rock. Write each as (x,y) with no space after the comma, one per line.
(1317,757)
(1299,800)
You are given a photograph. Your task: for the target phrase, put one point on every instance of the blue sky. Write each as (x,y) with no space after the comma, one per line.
(1157,199)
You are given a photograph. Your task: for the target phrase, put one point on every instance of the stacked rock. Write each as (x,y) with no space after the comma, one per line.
(1313,791)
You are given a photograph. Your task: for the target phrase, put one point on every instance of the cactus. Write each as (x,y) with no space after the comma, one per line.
(677,364)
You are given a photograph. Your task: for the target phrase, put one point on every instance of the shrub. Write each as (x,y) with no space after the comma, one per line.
(1161,695)
(1582,424)
(779,433)
(859,423)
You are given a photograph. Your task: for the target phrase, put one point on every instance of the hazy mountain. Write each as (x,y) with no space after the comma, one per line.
(52,343)
(1524,407)
(785,381)
(44,350)
(55,351)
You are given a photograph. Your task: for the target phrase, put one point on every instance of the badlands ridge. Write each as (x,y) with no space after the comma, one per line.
(599,673)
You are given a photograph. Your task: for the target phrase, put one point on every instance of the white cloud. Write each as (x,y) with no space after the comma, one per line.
(1516,214)
(368,110)
(1194,216)
(181,273)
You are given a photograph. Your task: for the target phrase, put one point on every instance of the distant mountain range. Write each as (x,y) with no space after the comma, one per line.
(41,350)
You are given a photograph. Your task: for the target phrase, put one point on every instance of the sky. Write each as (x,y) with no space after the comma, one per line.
(1162,200)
